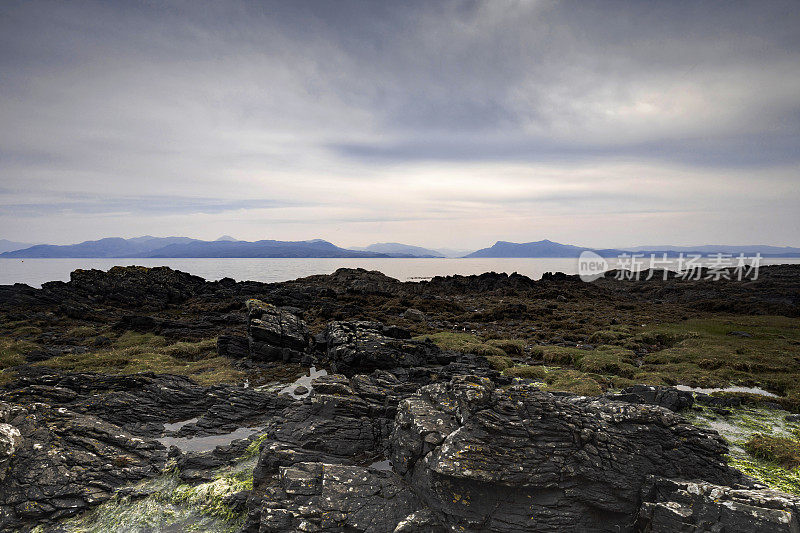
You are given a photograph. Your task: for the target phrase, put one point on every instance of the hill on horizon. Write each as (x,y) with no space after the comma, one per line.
(398,249)
(10,246)
(166,247)
(546,248)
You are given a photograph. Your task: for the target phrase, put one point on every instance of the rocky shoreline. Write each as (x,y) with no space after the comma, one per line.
(479,403)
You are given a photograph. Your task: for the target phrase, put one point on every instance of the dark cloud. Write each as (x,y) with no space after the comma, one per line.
(311,103)
(136,205)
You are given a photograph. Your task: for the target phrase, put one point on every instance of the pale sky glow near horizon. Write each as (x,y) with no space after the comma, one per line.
(434,123)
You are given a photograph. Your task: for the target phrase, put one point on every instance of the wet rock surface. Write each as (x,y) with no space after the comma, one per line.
(66,462)
(329,497)
(364,346)
(514,459)
(400,435)
(669,505)
(275,334)
(667,397)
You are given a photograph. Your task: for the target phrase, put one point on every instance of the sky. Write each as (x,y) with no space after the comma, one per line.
(436,123)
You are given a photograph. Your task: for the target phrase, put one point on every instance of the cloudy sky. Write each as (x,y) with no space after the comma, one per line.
(439,123)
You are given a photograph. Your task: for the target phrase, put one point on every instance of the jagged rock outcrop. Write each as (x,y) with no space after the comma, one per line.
(669,505)
(336,498)
(275,334)
(233,346)
(344,417)
(365,346)
(667,397)
(519,459)
(66,462)
(136,287)
(142,403)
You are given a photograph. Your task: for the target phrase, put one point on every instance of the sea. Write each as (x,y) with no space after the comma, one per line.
(34,272)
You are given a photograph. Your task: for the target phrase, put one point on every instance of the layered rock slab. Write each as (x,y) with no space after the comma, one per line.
(362,346)
(65,462)
(275,334)
(519,459)
(336,498)
(669,505)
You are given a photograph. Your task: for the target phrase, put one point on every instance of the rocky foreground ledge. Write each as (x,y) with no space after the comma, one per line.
(402,434)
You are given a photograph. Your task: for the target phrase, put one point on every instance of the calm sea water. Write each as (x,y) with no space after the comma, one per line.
(34,272)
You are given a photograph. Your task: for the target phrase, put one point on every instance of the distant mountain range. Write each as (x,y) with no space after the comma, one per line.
(396,249)
(543,248)
(775,251)
(227,246)
(547,248)
(7,246)
(164,247)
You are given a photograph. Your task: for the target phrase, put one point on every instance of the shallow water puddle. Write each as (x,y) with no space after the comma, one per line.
(175,426)
(386,464)
(204,444)
(750,390)
(311,374)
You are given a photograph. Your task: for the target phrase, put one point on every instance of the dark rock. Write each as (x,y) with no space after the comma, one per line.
(669,397)
(415,315)
(275,334)
(300,390)
(336,498)
(669,505)
(101,341)
(520,459)
(136,287)
(233,346)
(66,462)
(364,346)
(740,334)
(142,403)
(792,418)
(718,401)
(273,455)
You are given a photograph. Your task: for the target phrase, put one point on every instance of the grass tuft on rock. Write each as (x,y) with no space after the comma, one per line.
(144,352)
(500,362)
(783,451)
(559,379)
(468,343)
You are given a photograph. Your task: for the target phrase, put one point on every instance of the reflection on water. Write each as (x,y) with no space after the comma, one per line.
(386,464)
(304,381)
(37,271)
(203,444)
(175,426)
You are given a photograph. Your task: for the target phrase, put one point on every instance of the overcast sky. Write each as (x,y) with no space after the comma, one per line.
(438,123)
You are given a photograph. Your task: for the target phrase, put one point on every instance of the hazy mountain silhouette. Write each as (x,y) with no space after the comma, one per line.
(185,247)
(547,248)
(398,249)
(8,246)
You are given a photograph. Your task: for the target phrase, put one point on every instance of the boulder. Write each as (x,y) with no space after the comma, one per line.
(334,498)
(415,315)
(233,346)
(135,286)
(345,418)
(669,505)
(520,459)
(275,334)
(66,462)
(359,347)
(668,397)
